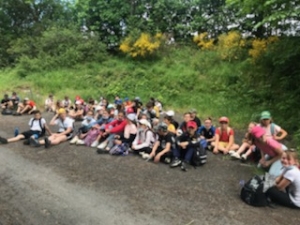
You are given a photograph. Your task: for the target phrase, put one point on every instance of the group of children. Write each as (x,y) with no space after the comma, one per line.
(130,126)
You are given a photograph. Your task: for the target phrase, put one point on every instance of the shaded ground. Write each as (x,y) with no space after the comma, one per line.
(73,185)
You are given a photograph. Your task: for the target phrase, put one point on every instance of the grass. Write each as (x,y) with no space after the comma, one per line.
(184,78)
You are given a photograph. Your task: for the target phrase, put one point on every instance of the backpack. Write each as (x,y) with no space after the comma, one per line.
(42,128)
(252,192)
(199,156)
(121,149)
(272,129)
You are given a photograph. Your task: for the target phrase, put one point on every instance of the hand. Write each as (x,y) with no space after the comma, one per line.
(117,136)
(157,158)
(225,151)
(262,161)
(152,154)
(118,142)
(266,164)
(202,137)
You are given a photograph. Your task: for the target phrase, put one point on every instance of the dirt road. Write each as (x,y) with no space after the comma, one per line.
(73,185)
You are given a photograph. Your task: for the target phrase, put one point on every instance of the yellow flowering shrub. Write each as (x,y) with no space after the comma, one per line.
(203,41)
(230,44)
(144,46)
(260,46)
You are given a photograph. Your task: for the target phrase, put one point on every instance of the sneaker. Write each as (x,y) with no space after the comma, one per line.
(184,166)
(26,142)
(167,160)
(145,155)
(95,144)
(34,142)
(3,140)
(102,145)
(231,152)
(74,140)
(47,142)
(235,156)
(244,158)
(102,151)
(176,162)
(80,142)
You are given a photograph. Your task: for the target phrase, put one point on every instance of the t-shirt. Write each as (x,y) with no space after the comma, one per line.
(224,134)
(171,128)
(15,99)
(268,147)
(31,103)
(164,139)
(66,103)
(197,121)
(207,133)
(36,124)
(268,130)
(64,125)
(293,175)
(3,101)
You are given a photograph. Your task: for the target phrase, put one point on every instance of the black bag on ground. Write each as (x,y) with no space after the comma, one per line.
(6,112)
(199,156)
(252,192)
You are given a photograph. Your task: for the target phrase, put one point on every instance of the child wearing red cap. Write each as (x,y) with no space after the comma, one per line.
(187,143)
(224,141)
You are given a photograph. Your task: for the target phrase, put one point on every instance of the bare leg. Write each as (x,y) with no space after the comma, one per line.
(243,148)
(14,139)
(25,109)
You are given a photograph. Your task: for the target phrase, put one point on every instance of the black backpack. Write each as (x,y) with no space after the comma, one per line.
(252,192)
(42,128)
(6,112)
(199,156)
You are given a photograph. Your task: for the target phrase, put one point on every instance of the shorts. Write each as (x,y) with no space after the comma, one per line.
(223,144)
(27,134)
(69,136)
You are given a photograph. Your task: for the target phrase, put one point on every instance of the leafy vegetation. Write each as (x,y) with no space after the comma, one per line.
(231,57)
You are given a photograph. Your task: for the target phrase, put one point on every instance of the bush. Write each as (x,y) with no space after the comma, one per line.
(56,48)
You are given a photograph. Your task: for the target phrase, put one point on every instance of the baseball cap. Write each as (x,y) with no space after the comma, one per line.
(192,124)
(61,111)
(145,122)
(163,127)
(110,106)
(258,131)
(193,111)
(129,110)
(224,119)
(78,102)
(126,99)
(265,115)
(26,99)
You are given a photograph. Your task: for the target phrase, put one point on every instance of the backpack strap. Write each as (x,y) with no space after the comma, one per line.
(272,129)
(228,130)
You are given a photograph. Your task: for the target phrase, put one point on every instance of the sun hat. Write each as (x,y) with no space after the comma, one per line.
(192,124)
(224,119)
(110,106)
(170,113)
(61,111)
(98,108)
(265,115)
(193,111)
(258,131)
(131,116)
(145,122)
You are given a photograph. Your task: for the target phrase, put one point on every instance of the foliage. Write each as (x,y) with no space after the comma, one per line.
(259,46)
(230,45)
(143,46)
(55,48)
(203,41)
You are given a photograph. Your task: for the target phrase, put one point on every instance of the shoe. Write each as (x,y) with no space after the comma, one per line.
(235,156)
(244,158)
(176,162)
(34,142)
(184,166)
(80,142)
(95,144)
(231,152)
(26,142)
(47,142)
(145,155)
(141,153)
(74,140)
(102,145)
(102,151)
(3,140)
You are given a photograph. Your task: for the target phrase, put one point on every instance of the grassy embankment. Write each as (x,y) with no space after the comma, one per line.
(183,79)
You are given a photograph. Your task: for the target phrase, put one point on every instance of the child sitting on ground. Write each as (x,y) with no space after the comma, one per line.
(224,138)
(247,147)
